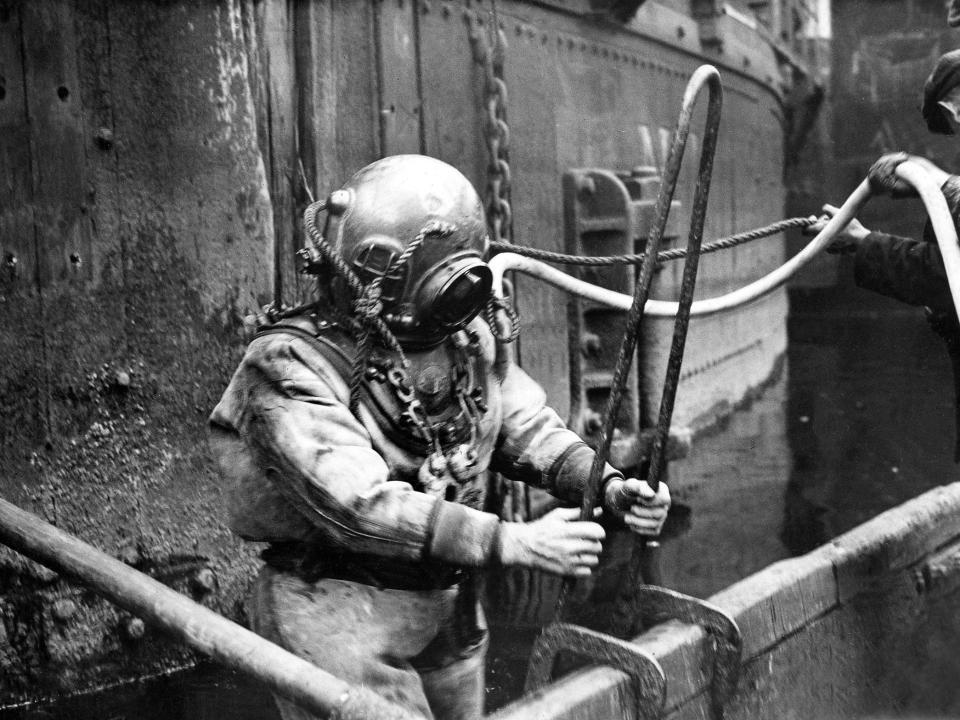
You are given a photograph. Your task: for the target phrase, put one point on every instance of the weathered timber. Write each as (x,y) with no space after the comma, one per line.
(283,672)
(858,626)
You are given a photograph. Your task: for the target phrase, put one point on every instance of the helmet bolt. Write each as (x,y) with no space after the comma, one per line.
(338,201)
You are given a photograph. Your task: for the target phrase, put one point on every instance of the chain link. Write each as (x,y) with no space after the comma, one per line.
(497,139)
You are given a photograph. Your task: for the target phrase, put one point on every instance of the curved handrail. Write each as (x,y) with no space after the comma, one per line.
(913,173)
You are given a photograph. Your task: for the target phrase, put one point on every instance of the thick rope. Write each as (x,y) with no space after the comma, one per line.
(665,255)
(366,303)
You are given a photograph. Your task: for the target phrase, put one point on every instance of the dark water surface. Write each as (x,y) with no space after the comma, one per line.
(859,419)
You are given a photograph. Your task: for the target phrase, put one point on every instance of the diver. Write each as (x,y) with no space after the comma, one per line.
(356,438)
(908,269)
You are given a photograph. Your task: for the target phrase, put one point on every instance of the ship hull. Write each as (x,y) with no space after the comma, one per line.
(157,158)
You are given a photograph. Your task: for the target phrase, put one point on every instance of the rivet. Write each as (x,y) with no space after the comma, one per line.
(593,422)
(586,185)
(11,265)
(63,609)
(104,138)
(134,628)
(339,201)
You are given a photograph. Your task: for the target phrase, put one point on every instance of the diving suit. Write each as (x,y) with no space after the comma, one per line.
(356,436)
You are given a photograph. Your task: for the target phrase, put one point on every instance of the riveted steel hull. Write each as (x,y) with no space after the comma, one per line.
(154,159)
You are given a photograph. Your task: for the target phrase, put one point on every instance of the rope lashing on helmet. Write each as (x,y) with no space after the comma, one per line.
(367,305)
(663,256)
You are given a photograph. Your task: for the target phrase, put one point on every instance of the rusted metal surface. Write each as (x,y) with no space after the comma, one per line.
(143,221)
(845,631)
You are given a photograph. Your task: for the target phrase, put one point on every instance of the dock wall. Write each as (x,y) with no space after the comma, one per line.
(863,626)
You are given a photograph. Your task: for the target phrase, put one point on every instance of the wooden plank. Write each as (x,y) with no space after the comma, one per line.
(895,539)
(592,694)
(56,140)
(288,675)
(806,653)
(276,31)
(398,77)
(318,99)
(780,600)
(357,124)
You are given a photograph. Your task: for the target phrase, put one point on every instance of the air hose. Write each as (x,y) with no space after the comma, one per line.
(911,172)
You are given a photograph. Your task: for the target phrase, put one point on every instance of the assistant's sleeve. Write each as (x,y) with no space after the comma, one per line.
(906,269)
(291,412)
(535,445)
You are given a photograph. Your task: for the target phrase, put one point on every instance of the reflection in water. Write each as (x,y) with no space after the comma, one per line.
(859,419)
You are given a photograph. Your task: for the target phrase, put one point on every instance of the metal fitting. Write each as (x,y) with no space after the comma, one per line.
(104,138)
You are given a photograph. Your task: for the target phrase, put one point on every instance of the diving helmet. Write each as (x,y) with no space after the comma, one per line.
(427,208)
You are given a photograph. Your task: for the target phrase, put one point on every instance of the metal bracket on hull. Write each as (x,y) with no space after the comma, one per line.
(655,605)
(650,684)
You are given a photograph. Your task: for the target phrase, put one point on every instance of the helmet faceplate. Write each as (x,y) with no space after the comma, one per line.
(381,210)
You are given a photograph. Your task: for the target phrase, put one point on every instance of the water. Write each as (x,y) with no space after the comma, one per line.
(859,419)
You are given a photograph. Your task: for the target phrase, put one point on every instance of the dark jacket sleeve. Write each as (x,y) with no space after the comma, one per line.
(908,269)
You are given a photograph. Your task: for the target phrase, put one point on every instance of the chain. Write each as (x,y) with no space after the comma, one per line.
(497,140)
(496,129)
(675,254)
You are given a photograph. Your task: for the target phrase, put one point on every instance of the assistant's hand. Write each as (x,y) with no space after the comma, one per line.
(844,242)
(558,542)
(643,510)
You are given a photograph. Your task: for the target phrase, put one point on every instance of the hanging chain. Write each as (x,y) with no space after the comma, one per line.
(496,130)
(497,139)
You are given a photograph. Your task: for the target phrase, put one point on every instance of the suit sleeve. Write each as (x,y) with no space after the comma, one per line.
(534,444)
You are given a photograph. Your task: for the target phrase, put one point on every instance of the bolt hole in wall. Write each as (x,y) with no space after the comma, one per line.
(858,418)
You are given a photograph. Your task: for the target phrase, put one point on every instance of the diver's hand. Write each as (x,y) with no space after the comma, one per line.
(846,240)
(558,542)
(642,510)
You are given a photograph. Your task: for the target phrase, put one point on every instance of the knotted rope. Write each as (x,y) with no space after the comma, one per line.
(367,324)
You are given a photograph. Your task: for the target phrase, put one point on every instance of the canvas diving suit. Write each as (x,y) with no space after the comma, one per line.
(367,551)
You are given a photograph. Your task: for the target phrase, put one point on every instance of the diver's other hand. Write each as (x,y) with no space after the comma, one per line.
(846,240)
(642,510)
(559,543)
